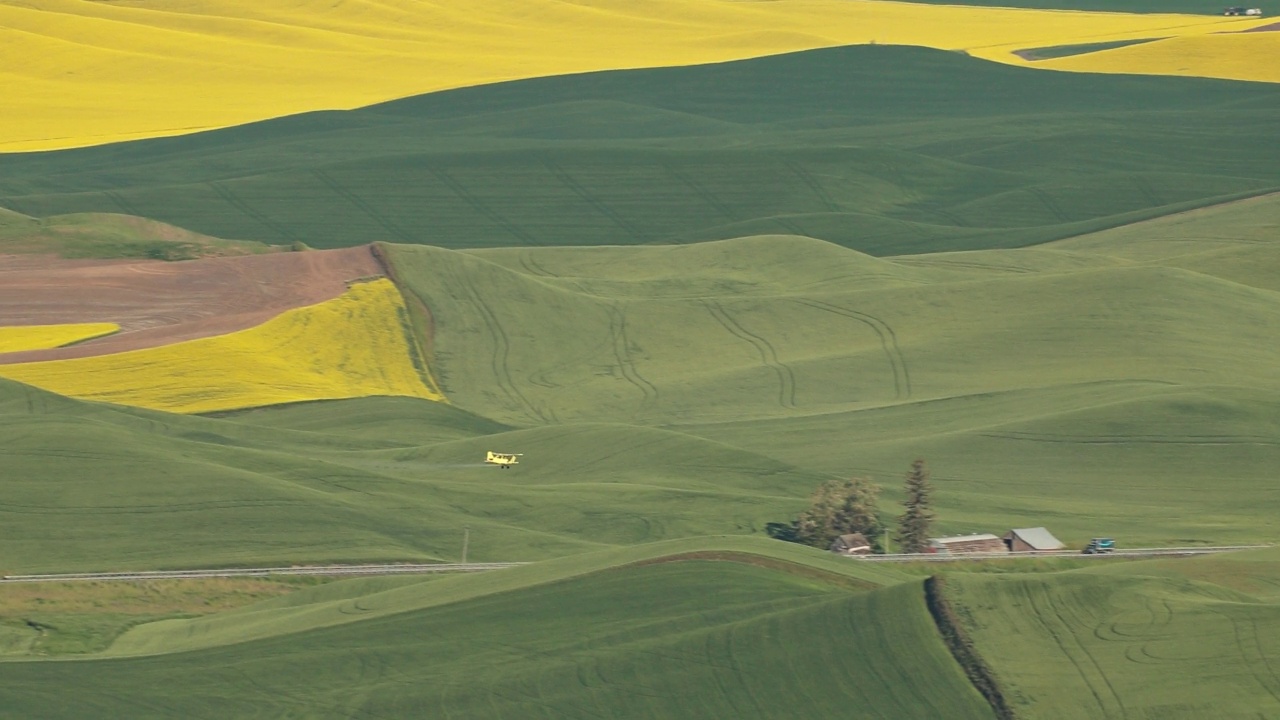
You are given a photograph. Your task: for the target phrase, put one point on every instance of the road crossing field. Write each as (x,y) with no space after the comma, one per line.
(690,260)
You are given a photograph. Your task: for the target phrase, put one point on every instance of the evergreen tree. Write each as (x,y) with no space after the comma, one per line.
(914,523)
(840,507)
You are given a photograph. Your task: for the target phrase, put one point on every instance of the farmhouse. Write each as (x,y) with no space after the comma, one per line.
(961,544)
(1031,540)
(851,544)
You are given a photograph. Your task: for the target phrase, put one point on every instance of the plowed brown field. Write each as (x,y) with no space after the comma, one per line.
(157,303)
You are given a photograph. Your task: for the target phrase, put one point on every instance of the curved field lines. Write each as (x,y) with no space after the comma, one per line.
(1060,627)
(42,337)
(350,196)
(888,340)
(353,346)
(1112,645)
(481,207)
(626,363)
(576,188)
(768,353)
(1258,655)
(500,359)
(224,192)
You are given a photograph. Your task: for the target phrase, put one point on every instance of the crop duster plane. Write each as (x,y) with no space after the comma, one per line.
(505,460)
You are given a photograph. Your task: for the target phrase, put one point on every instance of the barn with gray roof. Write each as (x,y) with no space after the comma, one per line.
(1031,540)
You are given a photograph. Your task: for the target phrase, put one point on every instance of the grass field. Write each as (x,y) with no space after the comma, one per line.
(1154,639)
(355,345)
(228,62)
(101,235)
(234,491)
(1030,416)
(887,150)
(668,392)
(39,337)
(687,294)
(73,618)
(630,641)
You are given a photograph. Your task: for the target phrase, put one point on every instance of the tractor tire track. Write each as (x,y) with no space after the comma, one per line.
(1261,648)
(787,224)
(122,203)
(888,341)
(622,353)
(1144,186)
(1097,667)
(1056,634)
(484,210)
(952,217)
(700,191)
(1050,204)
(235,202)
(528,263)
(501,355)
(363,206)
(806,178)
(595,202)
(1254,654)
(768,355)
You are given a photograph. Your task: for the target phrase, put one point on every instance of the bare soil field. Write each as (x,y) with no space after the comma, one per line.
(158,303)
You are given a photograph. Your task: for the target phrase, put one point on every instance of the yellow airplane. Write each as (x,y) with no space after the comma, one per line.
(505,460)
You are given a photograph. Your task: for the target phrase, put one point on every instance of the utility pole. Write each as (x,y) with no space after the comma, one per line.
(466,539)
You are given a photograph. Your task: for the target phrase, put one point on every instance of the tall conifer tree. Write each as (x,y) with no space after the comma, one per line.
(915,522)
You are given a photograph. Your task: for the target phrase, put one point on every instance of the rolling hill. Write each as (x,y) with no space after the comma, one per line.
(109,235)
(689,275)
(126,70)
(1099,386)
(356,345)
(1162,638)
(634,633)
(637,640)
(143,489)
(839,362)
(889,150)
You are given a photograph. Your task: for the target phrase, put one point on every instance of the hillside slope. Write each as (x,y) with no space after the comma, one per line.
(127,70)
(627,336)
(889,150)
(1088,391)
(631,642)
(667,392)
(356,345)
(99,487)
(1120,643)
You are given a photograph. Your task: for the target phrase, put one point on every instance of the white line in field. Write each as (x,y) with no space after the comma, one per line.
(392,569)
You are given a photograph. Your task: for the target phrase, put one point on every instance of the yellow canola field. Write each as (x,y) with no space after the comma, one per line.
(1248,56)
(43,337)
(355,345)
(79,73)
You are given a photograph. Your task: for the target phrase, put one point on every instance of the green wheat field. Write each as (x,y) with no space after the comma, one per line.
(689,296)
